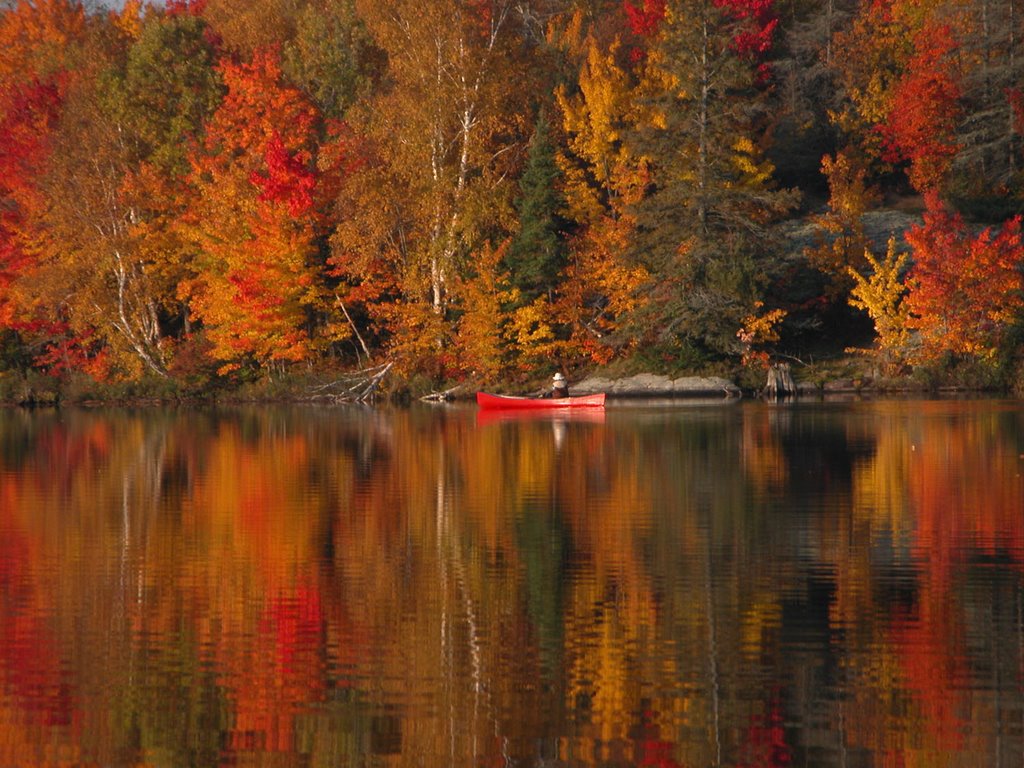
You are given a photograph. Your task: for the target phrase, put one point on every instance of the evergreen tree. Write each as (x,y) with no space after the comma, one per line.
(702,222)
(537,254)
(989,161)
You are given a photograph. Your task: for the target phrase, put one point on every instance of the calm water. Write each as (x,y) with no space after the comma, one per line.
(687,585)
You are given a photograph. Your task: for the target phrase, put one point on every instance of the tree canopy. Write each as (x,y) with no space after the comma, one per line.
(485,189)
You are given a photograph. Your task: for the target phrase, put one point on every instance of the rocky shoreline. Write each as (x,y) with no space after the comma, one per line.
(650,385)
(654,385)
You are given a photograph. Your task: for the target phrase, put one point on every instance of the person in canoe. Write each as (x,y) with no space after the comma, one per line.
(559,386)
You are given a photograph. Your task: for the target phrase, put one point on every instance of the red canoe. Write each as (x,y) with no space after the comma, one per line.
(505,402)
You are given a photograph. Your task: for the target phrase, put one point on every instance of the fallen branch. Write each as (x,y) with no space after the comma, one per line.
(357,387)
(445,396)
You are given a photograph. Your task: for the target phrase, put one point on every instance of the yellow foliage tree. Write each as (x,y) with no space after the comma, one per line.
(881,295)
(842,243)
(479,340)
(758,329)
(602,179)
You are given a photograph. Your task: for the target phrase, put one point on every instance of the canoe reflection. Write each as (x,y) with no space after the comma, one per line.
(555,416)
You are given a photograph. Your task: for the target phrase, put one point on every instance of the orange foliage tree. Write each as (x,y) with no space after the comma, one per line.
(843,242)
(26,121)
(252,227)
(921,123)
(39,41)
(965,291)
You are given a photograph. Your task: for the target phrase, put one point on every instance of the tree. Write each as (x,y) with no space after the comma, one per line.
(882,295)
(41,43)
(701,219)
(870,57)
(160,101)
(645,17)
(443,137)
(29,115)
(603,177)
(87,277)
(39,38)
(843,242)
(166,90)
(481,338)
(966,291)
(249,26)
(920,125)
(332,56)
(252,224)
(537,254)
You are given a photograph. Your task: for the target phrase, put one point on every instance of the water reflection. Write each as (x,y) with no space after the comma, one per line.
(741,585)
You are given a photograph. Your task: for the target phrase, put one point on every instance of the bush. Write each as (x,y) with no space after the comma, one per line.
(27,388)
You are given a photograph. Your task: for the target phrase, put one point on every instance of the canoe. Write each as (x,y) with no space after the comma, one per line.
(505,402)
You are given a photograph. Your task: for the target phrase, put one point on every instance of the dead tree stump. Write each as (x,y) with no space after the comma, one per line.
(780,381)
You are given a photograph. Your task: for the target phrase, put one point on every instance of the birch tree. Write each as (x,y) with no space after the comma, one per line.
(443,140)
(88,274)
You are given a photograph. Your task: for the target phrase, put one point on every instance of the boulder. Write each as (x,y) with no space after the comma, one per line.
(655,385)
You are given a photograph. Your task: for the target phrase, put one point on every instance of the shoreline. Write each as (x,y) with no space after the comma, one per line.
(636,388)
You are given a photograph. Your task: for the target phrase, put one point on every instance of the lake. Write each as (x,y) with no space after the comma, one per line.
(663,584)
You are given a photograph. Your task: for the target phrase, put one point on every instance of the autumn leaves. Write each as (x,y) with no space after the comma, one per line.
(480,189)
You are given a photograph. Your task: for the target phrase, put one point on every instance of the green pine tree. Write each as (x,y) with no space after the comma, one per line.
(537,254)
(702,225)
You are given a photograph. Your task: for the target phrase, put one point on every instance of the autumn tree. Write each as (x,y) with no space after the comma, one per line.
(248,26)
(29,115)
(870,56)
(966,291)
(444,137)
(332,56)
(251,227)
(842,240)
(920,125)
(901,69)
(882,293)
(41,45)
(602,178)
(39,39)
(86,277)
(702,221)
(480,340)
(106,262)
(161,98)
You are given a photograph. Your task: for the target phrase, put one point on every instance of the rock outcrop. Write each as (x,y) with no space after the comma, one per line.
(653,385)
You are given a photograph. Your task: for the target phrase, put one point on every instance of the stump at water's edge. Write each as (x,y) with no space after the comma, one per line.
(780,381)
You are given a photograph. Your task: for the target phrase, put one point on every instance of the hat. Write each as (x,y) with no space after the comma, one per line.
(559,376)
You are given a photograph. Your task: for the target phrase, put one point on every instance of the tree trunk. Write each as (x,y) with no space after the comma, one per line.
(780,381)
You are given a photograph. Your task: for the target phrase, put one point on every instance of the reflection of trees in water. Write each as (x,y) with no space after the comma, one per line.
(345,582)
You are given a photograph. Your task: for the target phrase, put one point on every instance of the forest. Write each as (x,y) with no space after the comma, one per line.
(208,194)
